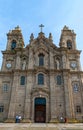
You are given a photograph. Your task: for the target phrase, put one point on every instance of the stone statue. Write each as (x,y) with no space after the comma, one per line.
(24,65)
(57,62)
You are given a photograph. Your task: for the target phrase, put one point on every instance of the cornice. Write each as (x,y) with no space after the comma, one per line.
(6,73)
(9,52)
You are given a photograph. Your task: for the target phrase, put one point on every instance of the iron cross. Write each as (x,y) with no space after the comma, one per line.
(41,26)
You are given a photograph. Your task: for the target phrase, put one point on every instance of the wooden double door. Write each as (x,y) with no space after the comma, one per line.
(40,110)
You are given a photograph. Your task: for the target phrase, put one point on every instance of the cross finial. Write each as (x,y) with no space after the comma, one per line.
(41,26)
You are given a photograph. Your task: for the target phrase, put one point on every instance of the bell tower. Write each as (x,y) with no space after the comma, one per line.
(14,39)
(14,43)
(68,39)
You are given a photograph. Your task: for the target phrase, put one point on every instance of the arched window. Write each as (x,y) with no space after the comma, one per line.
(75,87)
(41,59)
(40,79)
(59,80)
(22,80)
(13,45)
(69,44)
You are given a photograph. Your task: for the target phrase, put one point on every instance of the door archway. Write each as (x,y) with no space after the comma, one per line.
(40,110)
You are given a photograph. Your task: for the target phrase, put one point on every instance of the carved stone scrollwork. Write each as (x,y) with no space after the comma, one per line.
(38,90)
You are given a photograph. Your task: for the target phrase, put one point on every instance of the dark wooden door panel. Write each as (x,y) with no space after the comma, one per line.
(40,113)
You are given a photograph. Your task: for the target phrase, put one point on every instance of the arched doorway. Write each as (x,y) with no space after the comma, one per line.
(40,110)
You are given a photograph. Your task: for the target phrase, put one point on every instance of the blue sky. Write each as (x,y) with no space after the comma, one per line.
(29,14)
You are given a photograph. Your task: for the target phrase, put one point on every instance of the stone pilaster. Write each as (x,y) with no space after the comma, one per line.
(18,61)
(78,63)
(52,98)
(27,108)
(3,64)
(11,113)
(64,59)
(51,61)
(31,60)
(67,94)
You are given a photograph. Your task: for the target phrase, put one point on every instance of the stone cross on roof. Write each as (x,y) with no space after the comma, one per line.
(41,26)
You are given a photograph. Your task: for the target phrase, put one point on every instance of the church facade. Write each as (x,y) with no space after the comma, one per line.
(41,82)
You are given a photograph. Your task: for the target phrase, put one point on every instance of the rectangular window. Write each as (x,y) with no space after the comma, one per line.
(40,79)
(75,87)
(78,109)
(41,60)
(5,87)
(1,108)
(59,80)
(22,80)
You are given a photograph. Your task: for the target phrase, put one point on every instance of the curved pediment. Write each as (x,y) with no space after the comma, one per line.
(42,49)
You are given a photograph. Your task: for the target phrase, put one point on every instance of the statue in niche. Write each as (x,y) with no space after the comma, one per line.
(57,64)
(24,65)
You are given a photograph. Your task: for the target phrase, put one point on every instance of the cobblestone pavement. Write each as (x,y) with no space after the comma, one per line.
(40,126)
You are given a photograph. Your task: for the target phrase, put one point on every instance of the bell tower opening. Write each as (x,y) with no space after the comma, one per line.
(40,110)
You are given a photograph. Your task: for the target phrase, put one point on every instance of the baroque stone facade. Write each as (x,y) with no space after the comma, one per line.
(41,82)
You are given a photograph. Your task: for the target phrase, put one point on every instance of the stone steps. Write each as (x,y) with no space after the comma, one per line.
(39,126)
